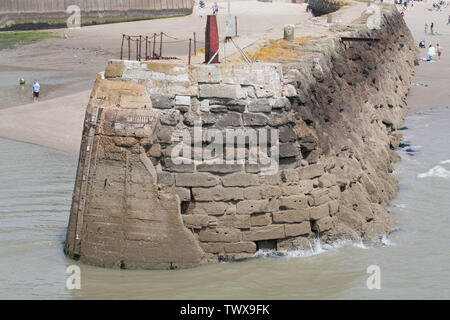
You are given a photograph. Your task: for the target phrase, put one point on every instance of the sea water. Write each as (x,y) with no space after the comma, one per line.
(414,262)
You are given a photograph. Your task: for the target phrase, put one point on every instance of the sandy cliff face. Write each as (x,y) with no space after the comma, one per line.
(333,106)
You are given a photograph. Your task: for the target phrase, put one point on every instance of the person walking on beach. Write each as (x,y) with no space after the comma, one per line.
(36,91)
(426,27)
(432,27)
(439,51)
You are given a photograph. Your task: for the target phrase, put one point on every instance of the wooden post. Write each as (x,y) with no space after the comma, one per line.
(235,26)
(190,53)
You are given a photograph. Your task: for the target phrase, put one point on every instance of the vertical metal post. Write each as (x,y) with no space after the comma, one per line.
(190,48)
(121,47)
(235,26)
(160,46)
(137,49)
(195,44)
(146,48)
(140,48)
(129,48)
(154,43)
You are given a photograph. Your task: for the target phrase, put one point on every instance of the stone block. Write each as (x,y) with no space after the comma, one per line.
(238,247)
(196,180)
(170,117)
(195,221)
(172,167)
(260,219)
(290,91)
(276,120)
(261,192)
(323,224)
(214,208)
(319,212)
(230,119)
(319,197)
(260,105)
(239,180)
(183,101)
(255,119)
(289,175)
(212,247)
(310,172)
(166,178)
(264,233)
(288,150)
(327,180)
(220,168)
(229,91)
(183,193)
(334,207)
(160,101)
(252,206)
(293,202)
(297,229)
(190,118)
(287,134)
(239,221)
(218,193)
(220,235)
(291,216)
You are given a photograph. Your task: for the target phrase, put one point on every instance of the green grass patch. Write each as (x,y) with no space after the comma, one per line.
(126,19)
(9,40)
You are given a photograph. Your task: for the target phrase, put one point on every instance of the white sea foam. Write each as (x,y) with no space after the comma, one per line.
(317,248)
(445,162)
(436,171)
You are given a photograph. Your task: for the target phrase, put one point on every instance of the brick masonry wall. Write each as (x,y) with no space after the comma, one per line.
(337,110)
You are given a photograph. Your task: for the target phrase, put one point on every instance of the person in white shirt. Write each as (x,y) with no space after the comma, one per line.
(431,52)
(36,90)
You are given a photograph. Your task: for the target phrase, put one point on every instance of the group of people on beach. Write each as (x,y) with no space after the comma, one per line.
(202,5)
(432,51)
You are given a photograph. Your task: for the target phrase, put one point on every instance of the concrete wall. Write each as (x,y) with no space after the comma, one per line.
(54,11)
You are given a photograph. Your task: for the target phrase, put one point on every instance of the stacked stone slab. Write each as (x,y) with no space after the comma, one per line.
(336,110)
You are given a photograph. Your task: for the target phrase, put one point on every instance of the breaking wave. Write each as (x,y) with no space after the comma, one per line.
(316,247)
(436,171)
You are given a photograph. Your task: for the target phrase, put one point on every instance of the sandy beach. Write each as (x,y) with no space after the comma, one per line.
(56,121)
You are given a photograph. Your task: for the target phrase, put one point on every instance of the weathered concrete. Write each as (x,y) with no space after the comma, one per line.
(338,108)
(17,12)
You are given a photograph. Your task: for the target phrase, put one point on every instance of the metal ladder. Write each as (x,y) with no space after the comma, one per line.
(89,154)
